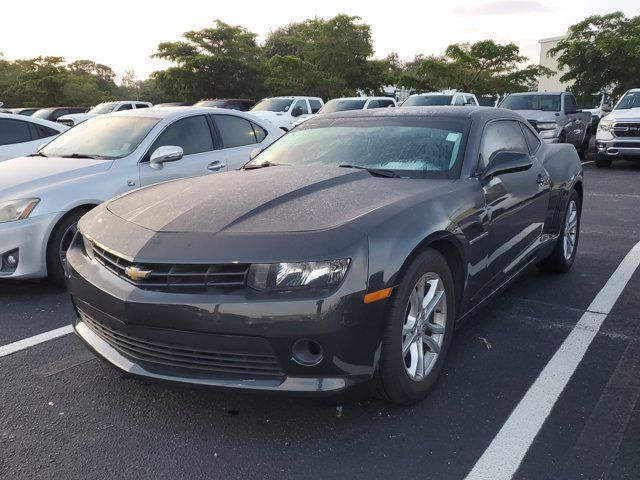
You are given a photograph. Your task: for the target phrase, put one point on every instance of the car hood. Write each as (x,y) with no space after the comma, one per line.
(538,115)
(269,200)
(267,114)
(625,114)
(30,175)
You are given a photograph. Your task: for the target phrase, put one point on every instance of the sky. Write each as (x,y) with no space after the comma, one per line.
(124,33)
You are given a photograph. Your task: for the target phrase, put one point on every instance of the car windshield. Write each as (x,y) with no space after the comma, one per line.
(427,100)
(107,107)
(43,113)
(414,147)
(210,103)
(630,100)
(273,105)
(339,105)
(546,103)
(107,137)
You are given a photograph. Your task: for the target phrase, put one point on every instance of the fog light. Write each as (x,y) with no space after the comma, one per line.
(12,261)
(307,352)
(9,261)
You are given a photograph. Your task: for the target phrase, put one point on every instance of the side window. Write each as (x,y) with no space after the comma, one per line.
(191,133)
(125,106)
(260,132)
(246,106)
(503,135)
(533,140)
(373,104)
(59,112)
(141,105)
(385,103)
(303,105)
(470,100)
(235,131)
(459,100)
(14,131)
(40,131)
(569,104)
(315,105)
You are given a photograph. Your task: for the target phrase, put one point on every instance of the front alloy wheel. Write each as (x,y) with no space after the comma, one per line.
(570,230)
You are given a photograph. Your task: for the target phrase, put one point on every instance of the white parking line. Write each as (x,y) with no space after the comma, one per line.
(35,340)
(501,459)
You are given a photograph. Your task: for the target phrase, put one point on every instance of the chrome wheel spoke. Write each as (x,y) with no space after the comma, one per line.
(410,340)
(420,361)
(434,328)
(431,343)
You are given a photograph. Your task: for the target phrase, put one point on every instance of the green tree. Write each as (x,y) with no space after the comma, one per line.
(601,53)
(223,61)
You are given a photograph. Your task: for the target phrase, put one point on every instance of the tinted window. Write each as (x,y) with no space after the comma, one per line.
(14,131)
(459,101)
(386,103)
(427,100)
(260,132)
(342,105)
(59,113)
(569,103)
(40,131)
(373,104)
(315,105)
(141,105)
(191,133)
(630,100)
(235,131)
(303,105)
(503,135)
(417,147)
(533,140)
(246,106)
(233,105)
(470,100)
(126,106)
(544,102)
(273,105)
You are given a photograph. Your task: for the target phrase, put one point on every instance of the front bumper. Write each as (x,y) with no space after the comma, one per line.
(29,237)
(551,140)
(234,339)
(623,148)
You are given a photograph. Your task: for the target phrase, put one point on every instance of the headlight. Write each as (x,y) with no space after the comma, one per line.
(547,126)
(605,125)
(17,209)
(292,276)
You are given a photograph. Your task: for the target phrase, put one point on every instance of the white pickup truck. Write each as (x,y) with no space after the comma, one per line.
(618,134)
(555,116)
(101,109)
(284,111)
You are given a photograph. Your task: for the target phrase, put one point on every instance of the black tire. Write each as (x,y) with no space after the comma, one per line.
(558,262)
(562,138)
(59,235)
(394,383)
(583,151)
(603,162)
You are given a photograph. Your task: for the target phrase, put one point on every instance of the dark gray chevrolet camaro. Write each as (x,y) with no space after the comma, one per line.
(340,256)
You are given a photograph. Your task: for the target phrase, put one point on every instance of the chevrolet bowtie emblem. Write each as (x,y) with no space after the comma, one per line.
(136,273)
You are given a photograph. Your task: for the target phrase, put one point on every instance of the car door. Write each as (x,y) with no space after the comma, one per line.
(575,127)
(516,202)
(305,109)
(195,136)
(16,139)
(239,137)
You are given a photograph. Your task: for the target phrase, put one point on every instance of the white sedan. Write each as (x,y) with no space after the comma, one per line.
(21,135)
(42,197)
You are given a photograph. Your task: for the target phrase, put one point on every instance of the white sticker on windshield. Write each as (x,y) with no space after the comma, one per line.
(453,136)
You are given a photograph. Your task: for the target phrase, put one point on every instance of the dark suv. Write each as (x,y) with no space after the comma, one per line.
(53,113)
(242,104)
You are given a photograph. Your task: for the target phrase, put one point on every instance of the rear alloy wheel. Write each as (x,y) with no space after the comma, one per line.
(564,252)
(418,335)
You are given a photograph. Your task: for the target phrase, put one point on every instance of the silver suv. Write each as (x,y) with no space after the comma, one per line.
(618,134)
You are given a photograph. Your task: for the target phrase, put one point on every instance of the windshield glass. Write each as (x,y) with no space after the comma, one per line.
(342,106)
(630,100)
(210,103)
(273,105)
(427,100)
(546,103)
(107,137)
(43,113)
(103,108)
(415,147)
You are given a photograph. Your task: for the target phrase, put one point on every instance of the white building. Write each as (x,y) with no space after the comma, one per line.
(551,83)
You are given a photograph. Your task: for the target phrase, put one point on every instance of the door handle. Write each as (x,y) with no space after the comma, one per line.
(215,166)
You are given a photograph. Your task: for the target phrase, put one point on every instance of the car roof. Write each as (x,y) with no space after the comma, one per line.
(443,92)
(535,93)
(474,113)
(226,100)
(293,97)
(360,98)
(46,123)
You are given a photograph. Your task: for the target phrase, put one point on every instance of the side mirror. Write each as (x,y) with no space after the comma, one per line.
(296,112)
(506,162)
(168,153)
(255,152)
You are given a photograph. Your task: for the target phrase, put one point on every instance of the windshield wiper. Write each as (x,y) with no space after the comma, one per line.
(38,154)
(260,165)
(82,155)
(374,171)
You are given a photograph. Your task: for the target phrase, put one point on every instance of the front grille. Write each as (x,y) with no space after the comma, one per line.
(627,129)
(181,356)
(160,275)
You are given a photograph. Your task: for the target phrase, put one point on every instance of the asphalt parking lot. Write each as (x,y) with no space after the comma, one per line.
(66,415)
